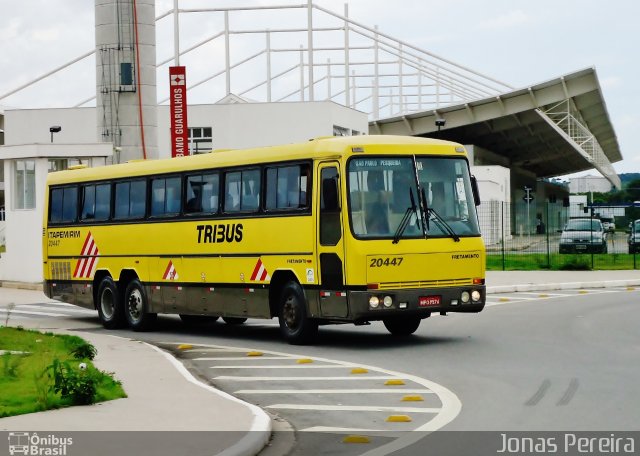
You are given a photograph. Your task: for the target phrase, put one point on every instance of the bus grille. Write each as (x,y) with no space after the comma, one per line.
(426,283)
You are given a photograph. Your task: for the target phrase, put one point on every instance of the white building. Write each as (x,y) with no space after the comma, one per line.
(31,151)
(587,184)
(26,167)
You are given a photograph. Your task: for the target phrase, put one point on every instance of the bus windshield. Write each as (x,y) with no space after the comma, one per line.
(384,191)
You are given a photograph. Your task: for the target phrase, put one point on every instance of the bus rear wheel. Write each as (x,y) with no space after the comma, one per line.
(295,325)
(402,326)
(109,307)
(136,307)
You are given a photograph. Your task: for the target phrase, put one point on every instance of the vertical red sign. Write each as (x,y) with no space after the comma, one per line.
(178,111)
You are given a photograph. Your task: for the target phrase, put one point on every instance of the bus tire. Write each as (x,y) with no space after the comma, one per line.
(136,307)
(296,327)
(110,309)
(234,320)
(402,326)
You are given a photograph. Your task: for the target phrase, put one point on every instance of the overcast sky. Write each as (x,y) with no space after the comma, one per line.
(519,42)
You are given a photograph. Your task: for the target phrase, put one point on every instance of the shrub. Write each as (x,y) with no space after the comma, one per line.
(576,264)
(83,350)
(79,386)
(10,364)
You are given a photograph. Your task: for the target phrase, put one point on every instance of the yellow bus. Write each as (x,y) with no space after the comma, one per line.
(334,230)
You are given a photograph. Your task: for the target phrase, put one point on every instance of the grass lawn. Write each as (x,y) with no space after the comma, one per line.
(33,363)
(555,261)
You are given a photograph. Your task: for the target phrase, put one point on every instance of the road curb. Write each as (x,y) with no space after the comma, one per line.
(561,286)
(21,285)
(256,438)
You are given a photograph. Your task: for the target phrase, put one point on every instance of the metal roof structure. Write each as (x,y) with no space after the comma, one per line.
(553,128)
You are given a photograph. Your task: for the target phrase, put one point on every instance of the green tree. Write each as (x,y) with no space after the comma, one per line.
(632,191)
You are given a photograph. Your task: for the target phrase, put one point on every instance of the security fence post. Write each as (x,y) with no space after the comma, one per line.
(547,232)
(502,240)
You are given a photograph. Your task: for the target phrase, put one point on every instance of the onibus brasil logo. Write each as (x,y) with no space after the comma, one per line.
(30,443)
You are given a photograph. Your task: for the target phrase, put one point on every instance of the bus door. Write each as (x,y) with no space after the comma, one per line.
(330,243)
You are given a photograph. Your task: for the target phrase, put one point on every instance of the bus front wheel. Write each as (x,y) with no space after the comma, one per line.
(295,325)
(136,307)
(402,326)
(109,307)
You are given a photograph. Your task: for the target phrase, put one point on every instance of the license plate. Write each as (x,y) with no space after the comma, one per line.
(581,247)
(429,301)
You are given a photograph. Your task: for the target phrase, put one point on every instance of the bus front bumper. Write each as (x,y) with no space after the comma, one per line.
(414,302)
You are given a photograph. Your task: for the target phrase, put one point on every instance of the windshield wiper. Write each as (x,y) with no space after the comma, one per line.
(425,211)
(444,226)
(406,218)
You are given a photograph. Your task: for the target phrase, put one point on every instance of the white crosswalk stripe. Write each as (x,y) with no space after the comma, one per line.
(48,309)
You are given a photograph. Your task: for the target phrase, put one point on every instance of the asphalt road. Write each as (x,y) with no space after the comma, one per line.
(562,361)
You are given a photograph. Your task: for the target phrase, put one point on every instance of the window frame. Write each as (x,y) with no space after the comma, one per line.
(305,170)
(185,182)
(241,171)
(20,189)
(130,181)
(63,221)
(81,201)
(165,214)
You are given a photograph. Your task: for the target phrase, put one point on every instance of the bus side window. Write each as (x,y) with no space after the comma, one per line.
(138,199)
(103,202)
(232,192)
(242,191)
(55,205)
(287,187)
(122,200)
(130,201)
(201,194)
(64,205)
(250,190)
(165,196)
(96,202)
(88,203)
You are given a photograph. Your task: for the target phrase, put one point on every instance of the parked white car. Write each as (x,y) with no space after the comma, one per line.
(583,235)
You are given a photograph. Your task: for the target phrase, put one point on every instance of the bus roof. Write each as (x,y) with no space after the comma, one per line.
(320,148)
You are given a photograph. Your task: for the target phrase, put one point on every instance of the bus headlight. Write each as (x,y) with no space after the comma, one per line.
(475,296)
(464,297)
(374,302)
(387,301)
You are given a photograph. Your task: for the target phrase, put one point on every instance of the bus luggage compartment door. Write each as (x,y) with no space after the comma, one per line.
(173,293)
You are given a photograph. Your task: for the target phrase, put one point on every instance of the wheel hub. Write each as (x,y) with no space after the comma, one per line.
(106,304)
(135,304)
(290,313)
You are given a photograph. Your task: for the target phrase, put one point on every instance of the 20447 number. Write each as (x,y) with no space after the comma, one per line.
(388,261)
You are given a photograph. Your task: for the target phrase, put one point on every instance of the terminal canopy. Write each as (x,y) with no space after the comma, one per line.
(553,128)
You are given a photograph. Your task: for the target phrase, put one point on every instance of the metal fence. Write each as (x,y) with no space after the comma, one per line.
(529,236)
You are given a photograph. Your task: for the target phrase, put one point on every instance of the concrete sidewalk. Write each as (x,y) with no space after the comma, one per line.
(185,415)
(513,281)
(165,397)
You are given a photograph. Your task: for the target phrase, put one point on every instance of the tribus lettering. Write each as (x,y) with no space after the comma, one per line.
(209,234)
